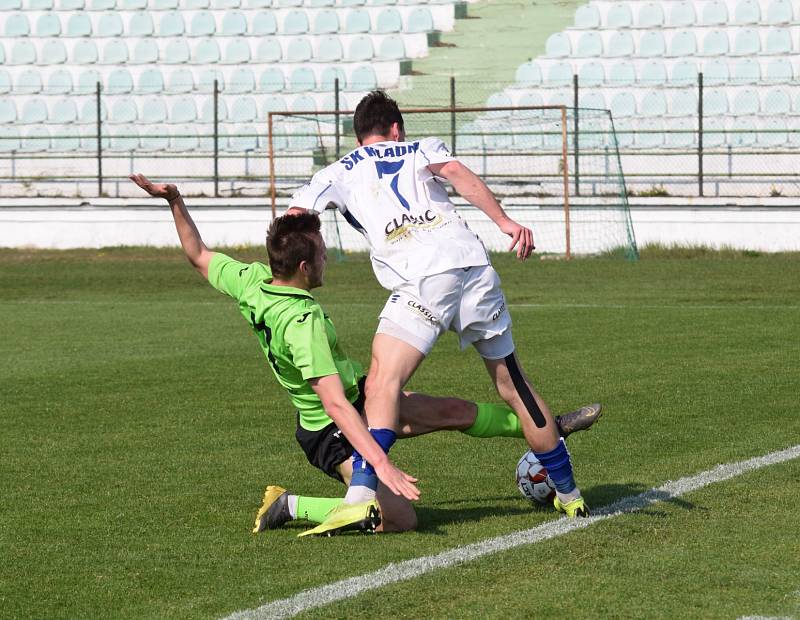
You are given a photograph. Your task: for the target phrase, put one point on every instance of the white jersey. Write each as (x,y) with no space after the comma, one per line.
(386,192)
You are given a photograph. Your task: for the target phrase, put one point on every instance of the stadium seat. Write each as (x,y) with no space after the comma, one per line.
(119,82)
(153,138)
(301,79)
(180,81)
(779,12)
(591,74)
(295,22)
(154,110)
(741,132)
(529,74)
(271,80)
(745,103)
(109,25)
(63,112)
(84,52)
(65,138)
(589,44)
(273,103)
(650,15)
(747,42)
(622,73)
(150,80)
(558,46)
(681,133)
(327,81)
(244,139)
(772,132)
(184,110)
(164,5)
(243,110)
(560,74)
(746,71)
(234,24)
(620,44)
(88,112)
(59,82)
(682,14)
(469,138)
(263,24)
(777,102)
(683,102)
(619,16)
(587,17)
(35,5)
(48,25)
(9,139)
(124,139)
(176,52)
(715,13)
(54,52)
(225,4)
(326,21)
(363,78)
(29,81)
(746,12)
(35,139)
(33,111)
(780,70)
(192,5)
(140,25)
(303,103)
(17,25)
(715,43)
(498,100)
(205,81)
(206,52)
(8,111)
(268,50)
(23,52)
(5,81)
(184,139)
(716,71)
(357,22)
(650,133)
(623,104)
(123,110)
(145,52)
(653,73)
(530,99)
(779,41)
(652,44)
(242,80)
(132,5)
(392,48)
(88,81)
(115,52)
(2,54)
(320,3)
(70,5)
(653,103)
(420,20)
(299,50)
(592,99)
(360,49)
(682,44)
(388,20)
(170,25)
(10,5)
(79,25)
(202,25)
(715,102)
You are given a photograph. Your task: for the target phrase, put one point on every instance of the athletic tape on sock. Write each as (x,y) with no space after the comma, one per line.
(524,392)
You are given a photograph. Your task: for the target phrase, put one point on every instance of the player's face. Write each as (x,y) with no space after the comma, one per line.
(316,268)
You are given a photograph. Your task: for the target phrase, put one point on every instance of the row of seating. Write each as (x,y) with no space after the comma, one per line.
(209,51)
(745,41)
(290,78)
(189,5)
(646,15)
(223,23)
(160,110)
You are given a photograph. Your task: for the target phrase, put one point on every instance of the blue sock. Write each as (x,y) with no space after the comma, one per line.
(364,473)
(558,465)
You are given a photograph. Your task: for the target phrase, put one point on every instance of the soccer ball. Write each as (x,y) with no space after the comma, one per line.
(533,480)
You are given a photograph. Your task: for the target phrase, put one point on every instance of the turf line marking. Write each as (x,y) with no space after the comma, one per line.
(409,569)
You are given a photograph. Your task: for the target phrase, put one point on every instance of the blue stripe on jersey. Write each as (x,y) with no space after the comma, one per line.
(353,222)
(320,196)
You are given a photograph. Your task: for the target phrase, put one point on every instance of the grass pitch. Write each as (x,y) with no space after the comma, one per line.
(140,424)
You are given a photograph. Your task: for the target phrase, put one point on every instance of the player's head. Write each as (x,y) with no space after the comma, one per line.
(377,114)
(294,244)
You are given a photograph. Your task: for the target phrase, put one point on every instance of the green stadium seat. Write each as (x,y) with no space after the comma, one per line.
(653,103)
(35,139)
(746,71)
(591,74)
(747,42)
(301,79)
(683,43)
(592,99)
(268,50)
(779,12)
(742,132)
(620,44)
(244,139)
(65,139)
(59,82)
(206,52)
(33,111)
(48,25)
(180,81)
(164,5)
(205,82)
(650,15)
(682,14)
(745,103)
(747,12)
(234,24)
(170,25)
(779,41)
(303,103)
(123,110)
(392,48)
(681,134)
(653,73)
(151,80)
(132,5)
(9,139)
(295,22)
(389,20)
(780,70)
(40,5)
(329,49)
(557,46)
(202,25)
(8,111)
(715,13)
(273,103)
(529,74)
(154,110)
(777,102)
(110,25)
(183,110)
(498,100)
(773,132)
(195,5)
(140,25)
(54,52)
(145,52)
(84,52)
(652,44)
(715,102)
(243,110)
(716,71)
(10,5)
(619,16)
(79,25)
(264,24)
(330,74)
(326,22)
(153,139)
(715,43)
(29,81)
(350,2)
(684,73)
(714,134)
(88,80)
(123,139)
(184,139)
(622,105)
(225,4)
(650,133)
(363,78)
(271,80)
(242,80)
(357,21)
(17,25)
(587,17)
(119,82)
(70,5)
(299,50)
(622,73)
(360,49)
(115,52)
(589,44)
(320,3)
(683,103)
(176,52)
(88,112)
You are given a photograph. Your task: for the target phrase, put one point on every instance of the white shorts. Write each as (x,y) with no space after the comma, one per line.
(467,301)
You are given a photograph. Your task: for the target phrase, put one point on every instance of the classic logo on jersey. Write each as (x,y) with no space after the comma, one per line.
(401,227)
(422,311)
(349,161)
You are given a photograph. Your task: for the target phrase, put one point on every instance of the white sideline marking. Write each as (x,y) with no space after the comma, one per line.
(403,571)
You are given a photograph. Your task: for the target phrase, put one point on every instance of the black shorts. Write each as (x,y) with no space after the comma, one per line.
(328,448)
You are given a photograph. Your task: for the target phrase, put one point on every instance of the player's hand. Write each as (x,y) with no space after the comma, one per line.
(167,191)
(398,481)
(521,237)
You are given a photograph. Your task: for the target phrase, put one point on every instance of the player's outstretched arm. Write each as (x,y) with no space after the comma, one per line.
(194,248)
(470,187)
(331,393)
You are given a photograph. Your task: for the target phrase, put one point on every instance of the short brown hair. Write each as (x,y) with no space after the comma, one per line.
(292,239)
(375,114)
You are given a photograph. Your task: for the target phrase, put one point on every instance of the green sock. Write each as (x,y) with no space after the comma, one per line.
(495,421)
(315,509)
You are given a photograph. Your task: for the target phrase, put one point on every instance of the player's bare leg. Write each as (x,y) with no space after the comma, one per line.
(397,513)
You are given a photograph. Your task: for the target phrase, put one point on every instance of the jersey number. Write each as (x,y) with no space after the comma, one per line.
(392,168)
(262,327)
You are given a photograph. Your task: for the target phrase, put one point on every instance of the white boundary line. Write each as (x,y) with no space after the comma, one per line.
(403,571)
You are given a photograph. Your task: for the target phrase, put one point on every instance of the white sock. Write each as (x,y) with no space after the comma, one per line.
(566,498)
(358,494)
(293,506)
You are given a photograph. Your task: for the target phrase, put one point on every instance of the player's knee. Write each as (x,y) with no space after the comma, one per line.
(456,413)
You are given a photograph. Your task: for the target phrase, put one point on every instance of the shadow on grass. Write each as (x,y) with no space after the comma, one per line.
(611,498)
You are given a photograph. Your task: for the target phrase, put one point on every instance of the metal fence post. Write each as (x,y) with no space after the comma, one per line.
(216,139)
(576,164)
(336,116)
(700,133)
(99,142)
(453,113)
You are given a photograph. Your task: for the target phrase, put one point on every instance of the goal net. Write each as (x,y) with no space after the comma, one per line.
(553,168)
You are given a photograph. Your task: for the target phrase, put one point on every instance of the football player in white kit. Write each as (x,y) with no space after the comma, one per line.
(439,275)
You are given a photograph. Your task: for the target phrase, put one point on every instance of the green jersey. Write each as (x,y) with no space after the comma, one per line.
(297,337)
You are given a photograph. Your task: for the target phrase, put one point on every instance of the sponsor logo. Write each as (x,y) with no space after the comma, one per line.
(499,311)
(422,311)
(400,227)
(394,298)
(305,316)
